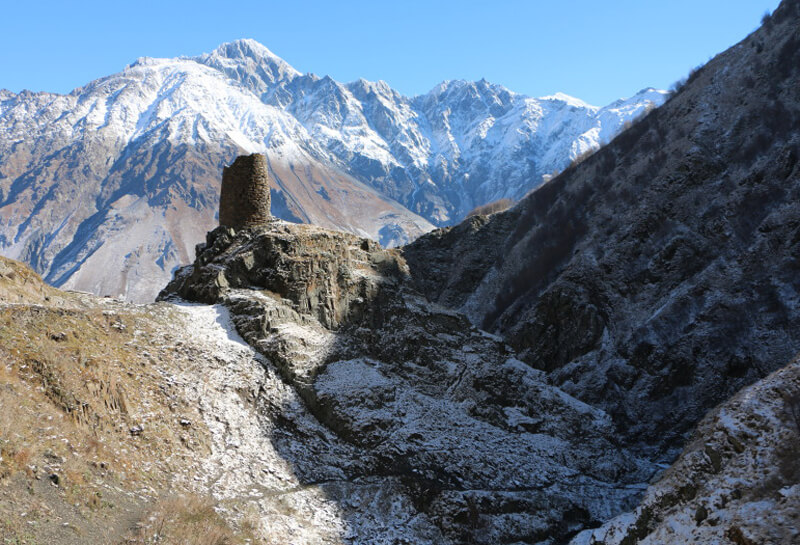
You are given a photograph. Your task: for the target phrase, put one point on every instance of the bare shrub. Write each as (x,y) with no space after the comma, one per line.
(185,520)
(491,208)
(793,408)
(676,87)
(580,158)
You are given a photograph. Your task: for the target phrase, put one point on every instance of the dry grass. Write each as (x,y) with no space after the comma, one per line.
(73,382)
(185,520)
(78,383)
(90,431)
(19,283)
(491,208)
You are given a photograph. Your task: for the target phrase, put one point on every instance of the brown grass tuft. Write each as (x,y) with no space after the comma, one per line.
(491,208)
(185,520)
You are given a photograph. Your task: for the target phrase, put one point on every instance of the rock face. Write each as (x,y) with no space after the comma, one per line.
(471,444)
(659,276)
(737,481)
(244,195)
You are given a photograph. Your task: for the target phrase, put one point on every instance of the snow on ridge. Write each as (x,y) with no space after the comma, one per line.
(478,139)
(569,100)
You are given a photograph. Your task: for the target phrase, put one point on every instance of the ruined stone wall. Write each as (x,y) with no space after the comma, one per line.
(244,198)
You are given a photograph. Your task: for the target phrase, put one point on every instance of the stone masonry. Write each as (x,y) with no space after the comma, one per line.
(244,197)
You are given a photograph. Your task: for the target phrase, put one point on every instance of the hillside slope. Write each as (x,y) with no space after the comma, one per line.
(737,481)
(660,275)
(358,413)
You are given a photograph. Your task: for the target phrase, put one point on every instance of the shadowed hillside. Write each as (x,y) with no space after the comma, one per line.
(660,275)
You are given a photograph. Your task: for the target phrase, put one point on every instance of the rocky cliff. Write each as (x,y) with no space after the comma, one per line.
(659,276)
(737,481)
(468,442)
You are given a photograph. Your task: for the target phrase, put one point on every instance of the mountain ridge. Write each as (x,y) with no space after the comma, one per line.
(356,156)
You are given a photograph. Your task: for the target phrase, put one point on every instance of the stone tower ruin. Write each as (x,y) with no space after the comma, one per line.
(244,197)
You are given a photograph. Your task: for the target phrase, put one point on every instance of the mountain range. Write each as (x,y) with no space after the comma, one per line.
(108,188)
(611,361)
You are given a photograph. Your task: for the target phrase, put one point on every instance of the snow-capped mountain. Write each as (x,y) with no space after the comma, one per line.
(108,189)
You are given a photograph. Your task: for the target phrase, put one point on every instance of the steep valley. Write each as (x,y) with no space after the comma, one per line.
(659,276)
(613,360)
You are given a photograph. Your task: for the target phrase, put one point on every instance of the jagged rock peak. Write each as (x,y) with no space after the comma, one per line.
(246,48)
(234,56)
(244,197)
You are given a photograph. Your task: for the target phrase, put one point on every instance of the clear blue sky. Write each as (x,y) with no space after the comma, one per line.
(594,50)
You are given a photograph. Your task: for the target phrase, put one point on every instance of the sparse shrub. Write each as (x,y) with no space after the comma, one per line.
(793,408)
(694,73)
(185,520)
(491,208)
(546,178)
(580,158)
(676,87)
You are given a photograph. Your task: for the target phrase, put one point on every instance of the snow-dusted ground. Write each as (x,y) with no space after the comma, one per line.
(736,481)
(418,425)
(252,465)
(244,470)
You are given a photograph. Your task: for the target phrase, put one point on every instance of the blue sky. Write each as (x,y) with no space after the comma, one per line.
(596,51)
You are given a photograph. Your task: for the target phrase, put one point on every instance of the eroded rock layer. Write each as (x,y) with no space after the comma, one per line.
(435,410)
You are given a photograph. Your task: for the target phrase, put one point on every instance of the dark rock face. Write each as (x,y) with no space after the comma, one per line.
(737,481)
(309,267)
(438,414)
(244,197)
(659,276)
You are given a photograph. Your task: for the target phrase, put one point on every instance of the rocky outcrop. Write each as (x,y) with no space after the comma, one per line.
(244,195)
(431,408)
(737,481)
(659,276)
(328,275)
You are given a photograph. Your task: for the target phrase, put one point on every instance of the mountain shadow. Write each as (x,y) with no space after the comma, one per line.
(660,275)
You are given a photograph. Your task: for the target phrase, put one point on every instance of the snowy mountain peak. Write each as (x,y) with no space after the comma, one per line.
(359,157)
(568,99)
(461,85)
(250,63)
(644,96)
(247,48)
